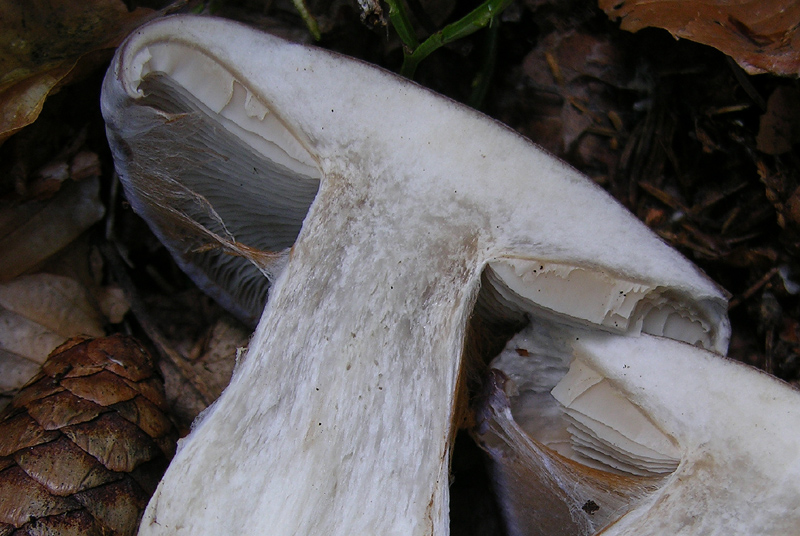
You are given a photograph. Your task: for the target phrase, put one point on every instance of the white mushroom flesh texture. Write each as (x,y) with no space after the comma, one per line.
(595,297)
(723,435)
(401,255)
(577,412)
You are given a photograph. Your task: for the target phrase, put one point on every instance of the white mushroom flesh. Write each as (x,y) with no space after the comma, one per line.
(406,241)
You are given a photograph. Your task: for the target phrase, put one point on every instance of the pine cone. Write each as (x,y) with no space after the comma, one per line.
(84,443)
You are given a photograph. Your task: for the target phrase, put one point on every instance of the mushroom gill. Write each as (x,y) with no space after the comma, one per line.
(571,453)
(232,242)
(634,428)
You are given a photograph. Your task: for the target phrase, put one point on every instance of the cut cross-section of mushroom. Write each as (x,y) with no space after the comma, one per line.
(735,429)
(599,298)
(402,256)
(590,431)
(231,240)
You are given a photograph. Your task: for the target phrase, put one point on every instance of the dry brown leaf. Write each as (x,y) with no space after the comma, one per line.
(763,36)
(58,303)
(779,128)
(212,360)
(576,76)
(71,465)
(215,364)
(37,313)
(111,300)
(46,43)
(32,231)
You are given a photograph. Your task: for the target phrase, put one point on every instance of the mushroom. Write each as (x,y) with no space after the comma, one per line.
(407,238)
(650,436)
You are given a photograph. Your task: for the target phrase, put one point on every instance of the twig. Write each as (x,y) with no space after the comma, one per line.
(747,294)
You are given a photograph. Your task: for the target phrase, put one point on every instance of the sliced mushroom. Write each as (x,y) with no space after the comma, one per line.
(638,435)
(718,430)
(402,256)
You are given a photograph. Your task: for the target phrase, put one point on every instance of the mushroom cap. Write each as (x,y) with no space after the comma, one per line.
(734,427)
(292,115)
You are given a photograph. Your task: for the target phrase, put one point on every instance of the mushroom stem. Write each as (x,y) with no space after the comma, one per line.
(344,395)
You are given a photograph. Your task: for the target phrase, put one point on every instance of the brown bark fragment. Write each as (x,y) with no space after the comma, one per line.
(145,415)
(20,431)
(66,455)
(104,388)
(75,523)
(62,409)
(39,387)
(118,505)
(24,498)
(100,438)
(63,468)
